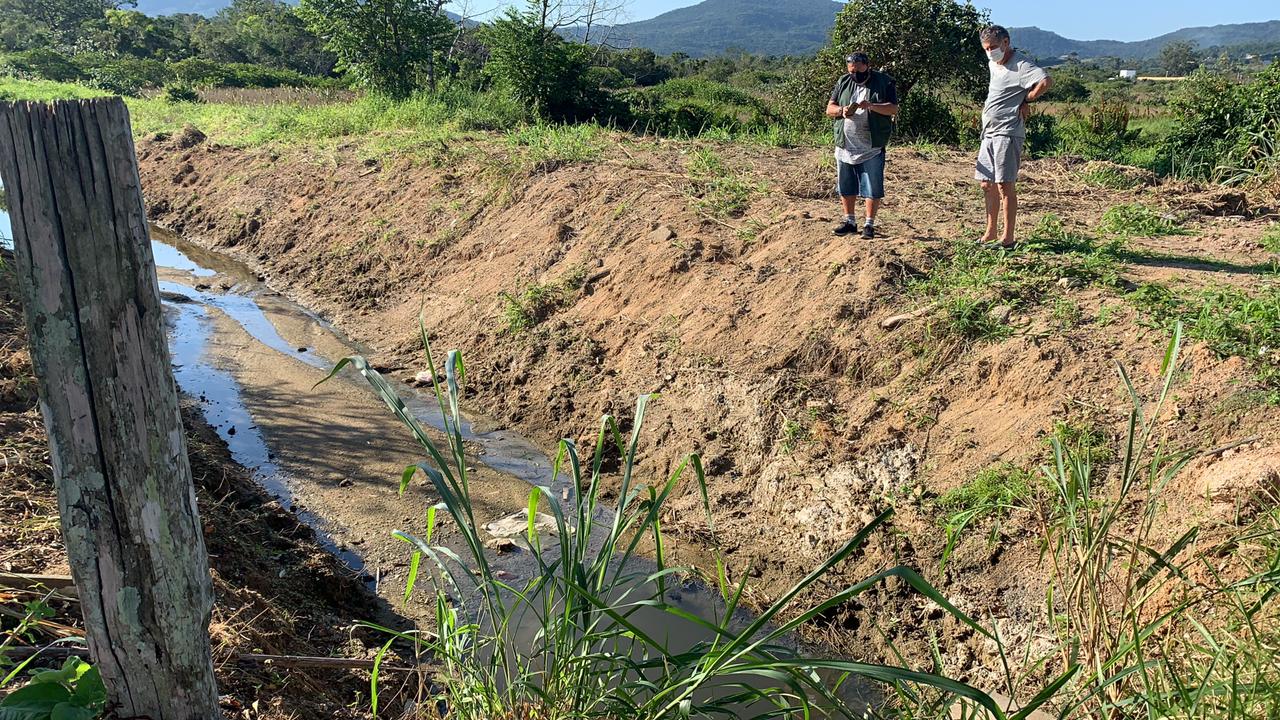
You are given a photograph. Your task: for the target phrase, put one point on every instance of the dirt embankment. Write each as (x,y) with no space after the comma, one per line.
(762,332)
(277,591)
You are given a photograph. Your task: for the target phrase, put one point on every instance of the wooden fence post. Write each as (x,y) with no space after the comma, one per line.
(125,492)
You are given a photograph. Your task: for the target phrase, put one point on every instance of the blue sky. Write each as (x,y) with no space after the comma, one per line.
(1079,19)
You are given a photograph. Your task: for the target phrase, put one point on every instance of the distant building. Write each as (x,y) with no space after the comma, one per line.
(1130,75)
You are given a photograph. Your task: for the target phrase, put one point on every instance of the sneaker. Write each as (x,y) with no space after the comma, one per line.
(845,228)
(868,232)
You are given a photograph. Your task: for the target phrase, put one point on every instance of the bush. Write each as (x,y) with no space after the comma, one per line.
(969,127)
(689,106)
(1231,138)
(42,64)
(1102,133)
(924,117)
(1043,137)
(180,92)
(198,72)
(1068,89)
(130,76)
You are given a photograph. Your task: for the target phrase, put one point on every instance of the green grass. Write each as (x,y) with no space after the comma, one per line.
(44,90)
(716,188)
(543,148)
(1137,221)
(993,493)
(1241,322)
(970,282)
(1270,240)
(1110,178)
(421,122)
(528,309)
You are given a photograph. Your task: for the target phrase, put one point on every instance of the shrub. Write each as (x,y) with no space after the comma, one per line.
(43,64)
(1043,137)
(180,92)
(924,117)
(1232,137)
(1102,133)
(1068,89)
(130,76)
(690,106)
(198,72)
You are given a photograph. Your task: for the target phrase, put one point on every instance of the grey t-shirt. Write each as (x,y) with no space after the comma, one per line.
(1009,86)
(857,133)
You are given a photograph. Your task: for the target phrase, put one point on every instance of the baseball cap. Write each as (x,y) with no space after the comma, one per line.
(858,57)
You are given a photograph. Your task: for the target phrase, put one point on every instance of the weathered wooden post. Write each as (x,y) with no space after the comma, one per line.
(92,304)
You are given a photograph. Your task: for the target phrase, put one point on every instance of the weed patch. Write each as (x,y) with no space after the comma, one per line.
(717,189)
(1232,321)
(1271,239)
(971,284)
(1137,221)
(992,493)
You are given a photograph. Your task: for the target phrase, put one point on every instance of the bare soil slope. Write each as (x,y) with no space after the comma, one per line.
(574,287)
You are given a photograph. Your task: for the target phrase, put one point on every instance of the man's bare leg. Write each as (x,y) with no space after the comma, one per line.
(991,194)
(1009,199)
(850,205)
(873,205)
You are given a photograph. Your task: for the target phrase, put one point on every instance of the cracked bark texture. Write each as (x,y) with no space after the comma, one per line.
(125,492)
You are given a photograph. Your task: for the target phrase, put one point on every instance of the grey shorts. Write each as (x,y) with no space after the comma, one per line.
(998,159)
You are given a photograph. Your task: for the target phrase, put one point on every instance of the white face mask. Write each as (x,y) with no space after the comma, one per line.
(996,55)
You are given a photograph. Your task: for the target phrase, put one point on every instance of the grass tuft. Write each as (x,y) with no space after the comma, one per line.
(1137,221)
(717,189)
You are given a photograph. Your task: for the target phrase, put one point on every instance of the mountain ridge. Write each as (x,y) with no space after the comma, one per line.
(801,27)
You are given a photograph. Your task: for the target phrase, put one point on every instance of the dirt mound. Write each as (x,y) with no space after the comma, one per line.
(572,291)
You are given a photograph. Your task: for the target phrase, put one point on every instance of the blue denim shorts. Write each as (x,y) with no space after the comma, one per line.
(864,180)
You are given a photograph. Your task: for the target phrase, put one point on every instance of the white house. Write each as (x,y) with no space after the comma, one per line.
(1130,75)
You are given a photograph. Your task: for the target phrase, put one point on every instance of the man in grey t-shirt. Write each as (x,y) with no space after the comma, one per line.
(1015,81)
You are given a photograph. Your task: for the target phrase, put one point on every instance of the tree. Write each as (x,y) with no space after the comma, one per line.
(919,42)
(534,63)
(263,32)
(932,44)
(386,45)
(129,32)
(62,19)
(1179,58)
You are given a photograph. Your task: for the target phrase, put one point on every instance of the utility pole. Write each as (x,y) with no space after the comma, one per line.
(125,492)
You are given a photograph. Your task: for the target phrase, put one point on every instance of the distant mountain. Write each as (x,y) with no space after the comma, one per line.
(800,27)
(762,27)
(1045,44)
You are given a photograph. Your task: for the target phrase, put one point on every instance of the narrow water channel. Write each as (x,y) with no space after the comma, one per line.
(333,454)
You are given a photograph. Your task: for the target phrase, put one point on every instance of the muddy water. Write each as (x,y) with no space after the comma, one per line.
(333,454)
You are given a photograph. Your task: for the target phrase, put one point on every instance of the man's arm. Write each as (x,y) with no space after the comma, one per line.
(834,110)
(890,109)
(1040,89)
(1035,93)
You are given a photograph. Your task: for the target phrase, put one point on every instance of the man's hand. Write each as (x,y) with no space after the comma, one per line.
(864,105)
(1024,111)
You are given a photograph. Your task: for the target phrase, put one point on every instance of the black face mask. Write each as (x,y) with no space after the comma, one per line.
(861,77)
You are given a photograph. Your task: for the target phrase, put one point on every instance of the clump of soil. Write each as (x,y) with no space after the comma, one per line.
(766,336)
(277,591)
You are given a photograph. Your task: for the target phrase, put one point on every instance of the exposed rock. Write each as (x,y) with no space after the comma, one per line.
(661,235)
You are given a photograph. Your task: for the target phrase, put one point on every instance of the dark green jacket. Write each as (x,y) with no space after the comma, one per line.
(881,89)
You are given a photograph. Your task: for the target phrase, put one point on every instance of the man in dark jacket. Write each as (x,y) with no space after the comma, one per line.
(863,105)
